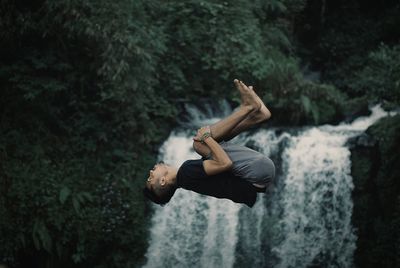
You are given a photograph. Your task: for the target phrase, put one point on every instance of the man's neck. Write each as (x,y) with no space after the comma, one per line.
(172,173)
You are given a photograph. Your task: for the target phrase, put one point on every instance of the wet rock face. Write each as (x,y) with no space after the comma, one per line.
(362,141)
(365,163)
(375,157)
(355,108)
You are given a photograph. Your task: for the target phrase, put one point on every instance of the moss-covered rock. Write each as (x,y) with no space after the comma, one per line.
(356,107)
(376,196)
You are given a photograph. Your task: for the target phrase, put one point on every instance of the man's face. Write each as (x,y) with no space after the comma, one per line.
(157,176)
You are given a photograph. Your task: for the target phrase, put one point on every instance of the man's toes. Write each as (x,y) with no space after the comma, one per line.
(243,86)
(237,84)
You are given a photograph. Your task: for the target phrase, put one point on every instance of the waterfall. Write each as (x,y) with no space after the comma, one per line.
(192,230)
(304,221)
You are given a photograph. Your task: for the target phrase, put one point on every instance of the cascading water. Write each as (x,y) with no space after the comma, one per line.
(304,221)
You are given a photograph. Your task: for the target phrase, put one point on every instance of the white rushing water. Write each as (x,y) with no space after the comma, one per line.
(305,221)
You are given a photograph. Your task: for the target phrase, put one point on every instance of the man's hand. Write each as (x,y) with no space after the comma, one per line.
(220,161)
(202,133)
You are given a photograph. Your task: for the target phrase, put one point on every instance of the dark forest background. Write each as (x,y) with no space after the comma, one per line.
(89,89)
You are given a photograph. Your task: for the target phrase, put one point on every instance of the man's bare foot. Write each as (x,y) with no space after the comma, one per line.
(261,114)
(248,100)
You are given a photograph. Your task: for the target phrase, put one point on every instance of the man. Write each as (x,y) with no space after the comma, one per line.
(226,170)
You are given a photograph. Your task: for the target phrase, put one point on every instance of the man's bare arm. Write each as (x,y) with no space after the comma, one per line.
(221,161)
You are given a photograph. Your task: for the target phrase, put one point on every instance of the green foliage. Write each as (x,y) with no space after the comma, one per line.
(221,41)
(380,76)
(310,107)
(64,193)
(77,96)
(354,45)
(41,236)
(309,103)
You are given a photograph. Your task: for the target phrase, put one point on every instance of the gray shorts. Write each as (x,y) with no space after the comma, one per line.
(249,164)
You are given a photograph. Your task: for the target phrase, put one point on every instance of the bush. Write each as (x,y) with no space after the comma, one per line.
(380,76)
(308,103)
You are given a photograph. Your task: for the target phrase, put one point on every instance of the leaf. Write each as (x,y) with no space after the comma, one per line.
(119,153)
(45,237)
(315,113)
(87,195)
(76,205)
(64,193)
(306,102)
(41,236)
(80,198)
(310,108)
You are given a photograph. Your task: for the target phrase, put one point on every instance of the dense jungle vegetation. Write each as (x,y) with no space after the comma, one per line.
(89,90)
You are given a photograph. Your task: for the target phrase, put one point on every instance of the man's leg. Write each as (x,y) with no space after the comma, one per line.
(247,115)
(222,129)
(252,119)
(252,111)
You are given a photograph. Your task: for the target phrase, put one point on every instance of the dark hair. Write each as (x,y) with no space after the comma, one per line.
(162,197)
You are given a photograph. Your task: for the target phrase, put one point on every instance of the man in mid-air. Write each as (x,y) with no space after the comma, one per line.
(226,170)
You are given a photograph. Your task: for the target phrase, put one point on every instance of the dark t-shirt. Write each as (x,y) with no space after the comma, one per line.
(191,176)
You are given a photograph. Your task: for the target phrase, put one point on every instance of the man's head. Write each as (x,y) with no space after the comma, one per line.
(161,183)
